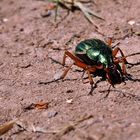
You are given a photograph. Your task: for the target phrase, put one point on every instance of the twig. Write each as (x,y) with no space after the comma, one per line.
(71,4)
(6,127)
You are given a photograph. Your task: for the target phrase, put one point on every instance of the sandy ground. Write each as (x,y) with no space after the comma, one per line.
(29,45)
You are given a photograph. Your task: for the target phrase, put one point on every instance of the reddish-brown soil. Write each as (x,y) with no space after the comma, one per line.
(29,46)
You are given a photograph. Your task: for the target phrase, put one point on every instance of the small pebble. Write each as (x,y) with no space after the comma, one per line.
(131,22)
(69,101)
(5,19)
(46,14)
(51,114)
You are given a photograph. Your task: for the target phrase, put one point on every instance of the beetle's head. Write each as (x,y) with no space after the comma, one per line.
(114,74)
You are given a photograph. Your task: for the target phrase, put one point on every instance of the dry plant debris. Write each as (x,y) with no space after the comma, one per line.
(6,127)
(31,128)
(40,105)
(71,4)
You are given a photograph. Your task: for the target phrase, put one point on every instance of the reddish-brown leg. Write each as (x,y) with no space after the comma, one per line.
(109,42)
(108,76)
(66,71)
(89,77)
(109,80)
(80,64)
(120,60)
(64,59)
(116,50)
(76,60)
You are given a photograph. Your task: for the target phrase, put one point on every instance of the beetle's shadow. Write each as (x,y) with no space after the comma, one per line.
(55,80)
(120,92)
(130,77)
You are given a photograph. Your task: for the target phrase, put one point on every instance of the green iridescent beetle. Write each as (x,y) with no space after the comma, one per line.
(98,58)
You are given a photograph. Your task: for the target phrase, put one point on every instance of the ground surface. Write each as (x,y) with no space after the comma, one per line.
(29,44)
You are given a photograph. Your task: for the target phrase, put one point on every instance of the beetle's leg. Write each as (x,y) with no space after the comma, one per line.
(92,70)
(80,64)
(109,41)
(121,60)
(108,91)
(108,76)
(66,71)
(109,79)
(115,52)
(90,78)
(76,60)
(89,71)
(64,59)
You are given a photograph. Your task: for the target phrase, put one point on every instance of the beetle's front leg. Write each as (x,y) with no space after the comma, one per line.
(115,52)
(109,79)
(121,60)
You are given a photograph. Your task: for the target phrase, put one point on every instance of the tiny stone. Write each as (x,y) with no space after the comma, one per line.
(69,101)
(5,19)
(45,14)
(52,114)
(131,22)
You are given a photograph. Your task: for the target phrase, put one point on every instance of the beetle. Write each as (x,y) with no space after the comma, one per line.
(96,57)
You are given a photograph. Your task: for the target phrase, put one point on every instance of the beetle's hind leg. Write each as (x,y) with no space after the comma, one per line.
(76,62)
(64,59)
